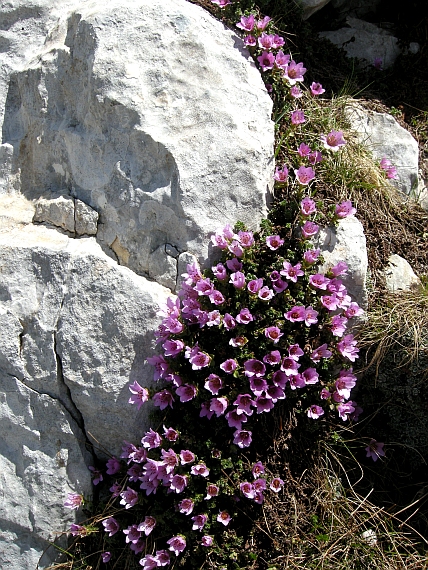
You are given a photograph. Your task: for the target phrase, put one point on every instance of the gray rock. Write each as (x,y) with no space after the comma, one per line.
(56,211)
(399,275)
(382,134)
(347,243)
(152,113)
(311,6)
(85,218)
(366,42)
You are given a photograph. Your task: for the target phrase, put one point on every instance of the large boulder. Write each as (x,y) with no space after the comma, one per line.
(152,118)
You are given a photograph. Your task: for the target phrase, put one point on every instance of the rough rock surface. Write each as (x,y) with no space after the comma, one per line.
(382,134)
(152,114)
(399,275)
(75,329)
(309,7)
(347,243)
(366,42)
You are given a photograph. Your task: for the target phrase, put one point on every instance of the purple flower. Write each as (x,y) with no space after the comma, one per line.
(199,522)
(229,366)
(170,434)
(250,41)
(220,272)
(339,269)
(345,209)
(272,358)
(375,450)
(266,41)
(319,281)
(224,518)
(333,141)
(139,394)
(290,366)
(247,489)
(218,406)
(378,63)
(105,557)
(205,411)
(296,314)
(354,310)
(160,364)
(238,280)
(162,558)
(212,491)
(311,256)
(73,501)
(129,498)
(200,469)
(298,117)
(265,294)
(258,385)
(273,334)
(321,352)
(310,375)
(243,404)
(207,540)
(242,438)
(307,206)
(97,476)
(266,60)
(338,325)
(304,175)
(229,322)
(151,439)
(149,562)
(264,404)
(304,150)
(147,525)
(282,60)
(186,506)
(244,317)
(235,419)
(113,466)
(132,534)
(296,92)
(186,456)
(345,383)
(178,483)
(346,409)
(316,89)
(315,157)
(186,392)
(257,469)
(274,242)
(295,352)
(77,530)
(254,286)
(348,347)
(163,399)
(221,3)
(390,170)
(281,174)
(246,239)
(254,367)
(330,302)
(309,229)
(177,544)
(294,72)
(111,526)
(292,273)
(261,24)
(199,360)
(246,23)
(213,383)
(315,412)
(276,485)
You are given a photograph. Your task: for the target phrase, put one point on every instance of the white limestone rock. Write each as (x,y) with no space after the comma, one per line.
(73,216)
(366,42)
(152,113)
(399,275)
(347,243)
(381,133)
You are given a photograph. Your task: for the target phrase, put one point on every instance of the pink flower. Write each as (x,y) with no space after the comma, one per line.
(309,229)
(319,281)
(147,525)
(316,89)
(199,360)
(378,63)
(345,383)
(257,469)
(213,383)
(228,322)
(139,394)
(243,404)
(110,525)
(375,450)
(310,375)
(315,157)
(274,242)
(330,302)
(348,347)
(212,491)
(261,24)
(315,412)
(304,151)
(163,399)
(238,280)
(186,392)
(289,366)
(105,557)
(149,562)
(333,141)
(304,175)
(151,439)
(265,41)
(281,60)
(186,506)
(172,348)
(207,540)
(296,314)
(199,522)
(236,248)
(390,170)
(178,483)
(294,72)
(311,317)
(277,41)
(205,411)
(97,476)
(298,117)
(255,285)
(242,438)
(311,256)
(247,489)
(321,352)
(78,530)
(219,271)
(170,434)
(281,174)
(246,23)
(229,366)
(338,269)
(292,273)
(246,239)
(265,294)
(338,325)
(235,419)
(296,92)
(113,466)
(346,409)
(224,518)
(73,501)
(273,334)
(186,456)
(295,352)
(345,209)
(307,206)
(354,310)
(218,406)
(177,543)
(266,60)
(250,41)
(258,385)
(276,485)
(238,341)
(129,498)
(244,317)
(162,558)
